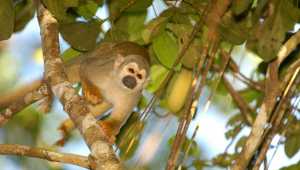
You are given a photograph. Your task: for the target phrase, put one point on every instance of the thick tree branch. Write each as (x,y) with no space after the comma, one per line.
(21,150)
(102,156)
(272,91)
(277,117)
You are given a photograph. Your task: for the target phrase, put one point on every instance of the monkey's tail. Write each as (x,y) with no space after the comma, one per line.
(12,96)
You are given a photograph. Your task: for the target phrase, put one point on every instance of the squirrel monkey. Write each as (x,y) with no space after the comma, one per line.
(112,76)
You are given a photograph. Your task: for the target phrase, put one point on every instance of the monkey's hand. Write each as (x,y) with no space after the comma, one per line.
(67,126)
(111,128)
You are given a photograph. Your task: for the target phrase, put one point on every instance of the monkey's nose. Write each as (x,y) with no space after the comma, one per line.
(129,81)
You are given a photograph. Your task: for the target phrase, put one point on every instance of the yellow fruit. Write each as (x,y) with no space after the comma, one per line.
(178,90)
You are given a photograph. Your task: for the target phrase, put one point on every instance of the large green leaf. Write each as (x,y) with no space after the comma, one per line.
(7,18)
(182,32)
(158,73)
(87,9)
(233,30)
(292,145)
(24,11)
(154,27)
(81,36)
(238,7)
(268,37)
(59,9)
(118,6)
(166,48)
(127,28)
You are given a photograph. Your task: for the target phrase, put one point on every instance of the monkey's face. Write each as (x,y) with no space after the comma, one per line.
(132,73)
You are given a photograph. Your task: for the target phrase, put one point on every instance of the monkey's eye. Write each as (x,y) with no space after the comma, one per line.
(139,76)
(131,70)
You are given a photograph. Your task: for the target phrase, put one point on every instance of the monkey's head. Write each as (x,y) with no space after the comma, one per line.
(132,72)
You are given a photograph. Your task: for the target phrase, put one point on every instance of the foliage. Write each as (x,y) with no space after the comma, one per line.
(261,26)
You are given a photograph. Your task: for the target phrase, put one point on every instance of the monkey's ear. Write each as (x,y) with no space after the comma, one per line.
(119,60)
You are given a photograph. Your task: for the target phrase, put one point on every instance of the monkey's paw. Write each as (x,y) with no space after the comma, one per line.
(108,130)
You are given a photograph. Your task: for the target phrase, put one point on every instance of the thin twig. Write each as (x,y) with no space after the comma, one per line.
(245,109)
(235,69)
(21,150)
(217,11)
(22,98)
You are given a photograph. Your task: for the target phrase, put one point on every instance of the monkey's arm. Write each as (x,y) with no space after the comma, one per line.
(117,118)
(67,126)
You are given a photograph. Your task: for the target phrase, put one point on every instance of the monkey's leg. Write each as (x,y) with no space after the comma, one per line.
(67,126)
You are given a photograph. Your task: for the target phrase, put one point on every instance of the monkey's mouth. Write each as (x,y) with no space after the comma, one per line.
(129,82)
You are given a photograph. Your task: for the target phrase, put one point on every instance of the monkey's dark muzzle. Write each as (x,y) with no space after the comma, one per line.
(129,82)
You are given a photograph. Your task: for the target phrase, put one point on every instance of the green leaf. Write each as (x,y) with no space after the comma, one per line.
(235,120)
(139,5)
(224,160)
(238,7)
(235,31)
(69,54)
(71,3)
(116,7)
(157,75)
(59,9)
(292,167)
(128,28)
(182,32)
(240,144)
(88,9)
(154,28)
(7,19)
(250,95)
(269,35)
(232,133)
(166,48)
(292,145)
(133,24)
(24,12)
(81,36)
(198,164)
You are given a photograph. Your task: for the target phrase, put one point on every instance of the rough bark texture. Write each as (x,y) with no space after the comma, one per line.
(273,89)
(102,156)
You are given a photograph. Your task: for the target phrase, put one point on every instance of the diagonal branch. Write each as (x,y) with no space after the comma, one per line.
(245,109)
(273,89)
(17,101)
(218,8)
(102,156)
(277,117)
(21,150)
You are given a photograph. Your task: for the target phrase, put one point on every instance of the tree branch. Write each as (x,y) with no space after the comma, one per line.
(245,109)
(102,156)
(277,116)
(18,100)
(272,91)
(218,8)
(21,150)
